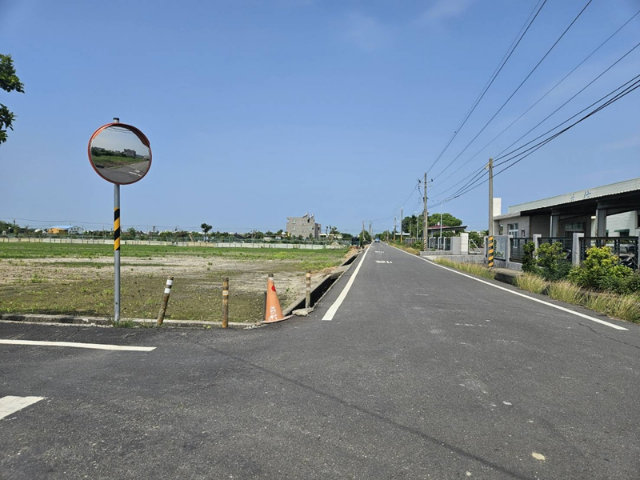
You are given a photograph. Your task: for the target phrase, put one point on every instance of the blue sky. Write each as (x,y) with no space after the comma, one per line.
(259,110)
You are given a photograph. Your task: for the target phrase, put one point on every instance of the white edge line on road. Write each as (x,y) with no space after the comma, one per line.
(336,305)
(597,320)
(11,404)
(95,346)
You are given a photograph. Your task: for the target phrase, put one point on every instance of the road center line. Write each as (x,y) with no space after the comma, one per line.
(558,307)
(95,346)
(11,404)
(336,305)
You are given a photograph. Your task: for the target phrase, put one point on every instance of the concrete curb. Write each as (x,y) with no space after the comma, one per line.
(107,322)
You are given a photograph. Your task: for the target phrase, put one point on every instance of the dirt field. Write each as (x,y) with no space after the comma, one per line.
(66,280)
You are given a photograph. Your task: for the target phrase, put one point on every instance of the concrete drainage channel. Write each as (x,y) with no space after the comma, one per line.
(296,308)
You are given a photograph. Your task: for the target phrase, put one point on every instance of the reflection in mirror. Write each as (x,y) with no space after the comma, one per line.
(119,155)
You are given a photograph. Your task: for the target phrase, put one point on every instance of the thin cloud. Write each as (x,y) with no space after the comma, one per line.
(627,143)
(443,10)
(366,32)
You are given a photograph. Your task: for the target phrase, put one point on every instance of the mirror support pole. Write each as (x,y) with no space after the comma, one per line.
(116,252)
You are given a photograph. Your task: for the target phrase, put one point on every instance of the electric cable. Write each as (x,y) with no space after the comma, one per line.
(493,76)
(629,88)
(544,96)
(517,89)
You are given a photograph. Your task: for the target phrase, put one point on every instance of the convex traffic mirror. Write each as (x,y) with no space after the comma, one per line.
(120,153)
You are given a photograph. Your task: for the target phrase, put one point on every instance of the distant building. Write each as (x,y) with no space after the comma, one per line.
(129,153)
(66,230)
(305,226)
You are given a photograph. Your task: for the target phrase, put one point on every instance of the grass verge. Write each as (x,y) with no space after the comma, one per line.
(566,292)
(531,283)
(474,268)
(625,307)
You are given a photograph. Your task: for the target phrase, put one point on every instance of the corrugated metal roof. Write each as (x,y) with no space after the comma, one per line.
(612,189)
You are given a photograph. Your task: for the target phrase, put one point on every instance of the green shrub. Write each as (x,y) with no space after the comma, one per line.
(551,262)
(601,270)
(528,260)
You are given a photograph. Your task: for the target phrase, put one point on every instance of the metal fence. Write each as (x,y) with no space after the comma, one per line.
(439,243)
(567,242)
(517,249)
(626,248)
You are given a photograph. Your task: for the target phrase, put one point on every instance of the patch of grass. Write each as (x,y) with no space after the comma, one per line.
(531,283)
(24,250)
(624,307)
(566,291)
(37,279)
(474,268)
(141,297)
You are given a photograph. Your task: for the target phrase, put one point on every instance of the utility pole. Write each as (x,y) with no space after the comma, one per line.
(370,230)
(363,233)
(401,232)
(394,228)
(491,240)
(424,215)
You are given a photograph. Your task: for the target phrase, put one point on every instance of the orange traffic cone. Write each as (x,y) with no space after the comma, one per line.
(273,312)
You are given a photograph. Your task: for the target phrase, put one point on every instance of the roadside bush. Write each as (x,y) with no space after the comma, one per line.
(601,270)
(528,260)
(551,262)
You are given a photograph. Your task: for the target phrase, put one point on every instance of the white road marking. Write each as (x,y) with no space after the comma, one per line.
(336,305)
(558,307)
(95,346)
(383,261)
(10,404)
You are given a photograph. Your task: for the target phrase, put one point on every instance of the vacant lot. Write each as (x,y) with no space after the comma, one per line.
(78,279)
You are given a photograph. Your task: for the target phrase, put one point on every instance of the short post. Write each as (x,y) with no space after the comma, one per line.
(225,302)
(165,300)
(307,301)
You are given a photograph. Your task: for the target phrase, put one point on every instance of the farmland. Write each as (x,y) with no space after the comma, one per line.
(78,279)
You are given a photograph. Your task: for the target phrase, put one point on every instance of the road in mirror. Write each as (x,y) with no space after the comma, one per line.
(119,155)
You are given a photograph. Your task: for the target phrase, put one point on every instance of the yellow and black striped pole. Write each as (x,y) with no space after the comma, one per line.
(490,253)
(116,252)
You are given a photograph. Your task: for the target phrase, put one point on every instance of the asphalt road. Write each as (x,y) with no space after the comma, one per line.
(126,173)
(421,373)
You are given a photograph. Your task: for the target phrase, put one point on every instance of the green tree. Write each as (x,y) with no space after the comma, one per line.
(205,229)
(445,219)
(9,82)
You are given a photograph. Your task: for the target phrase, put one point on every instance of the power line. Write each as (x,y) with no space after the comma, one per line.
(493,76)
(629,87)
(543,96)
(501,156)
(518,88)
(574,96)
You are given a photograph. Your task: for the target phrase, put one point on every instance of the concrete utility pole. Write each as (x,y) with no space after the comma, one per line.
(401,218)
(363,233)
(424,215)
(490,167)
(370,230)
(394,229)
(491,245)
